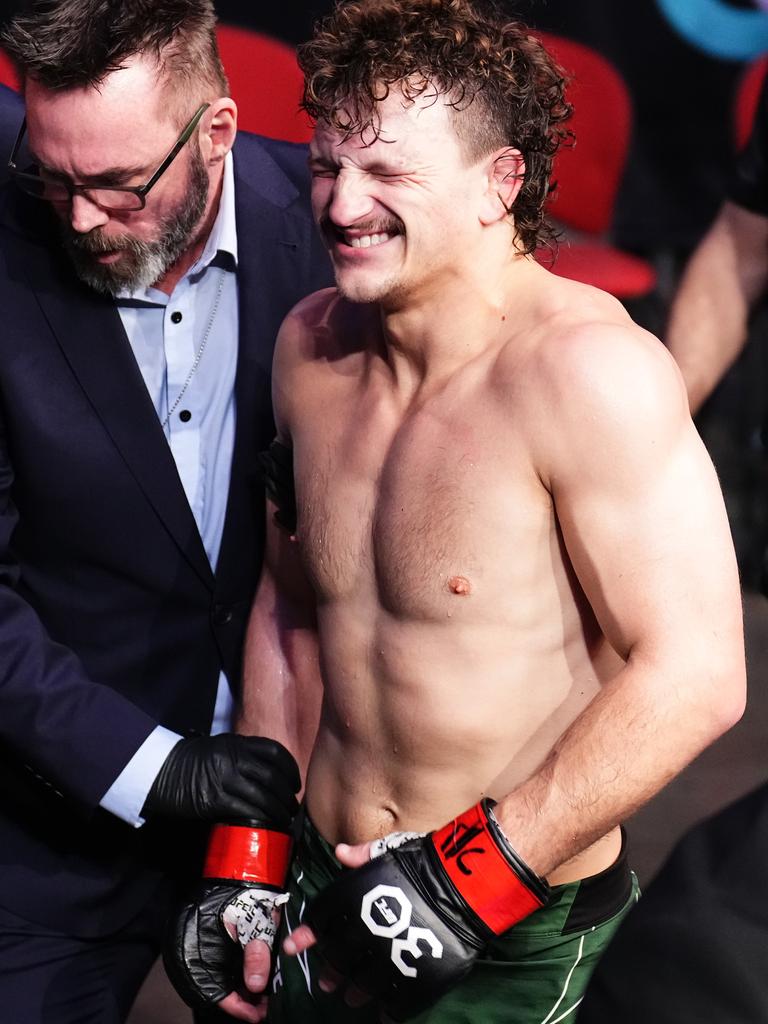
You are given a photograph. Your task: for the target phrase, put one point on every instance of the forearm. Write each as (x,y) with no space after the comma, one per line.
(282,690)
(709,317)
(642,729)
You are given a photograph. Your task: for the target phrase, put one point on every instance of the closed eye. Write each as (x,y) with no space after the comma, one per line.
(321,169)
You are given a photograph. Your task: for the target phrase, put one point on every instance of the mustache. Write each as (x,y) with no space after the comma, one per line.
(97,242)
(380,226)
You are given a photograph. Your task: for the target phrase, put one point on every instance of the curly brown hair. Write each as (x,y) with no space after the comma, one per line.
(467,51)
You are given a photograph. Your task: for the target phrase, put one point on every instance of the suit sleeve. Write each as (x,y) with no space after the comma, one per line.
(53,718)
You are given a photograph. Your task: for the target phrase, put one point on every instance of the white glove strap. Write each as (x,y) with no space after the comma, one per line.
(252,914)
(392,841)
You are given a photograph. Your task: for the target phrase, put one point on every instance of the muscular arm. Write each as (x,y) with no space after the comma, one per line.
(281,683)
(282,689)
(724,278)
(643,521)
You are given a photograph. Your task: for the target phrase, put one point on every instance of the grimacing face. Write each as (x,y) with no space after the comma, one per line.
(398,215)
(118,134)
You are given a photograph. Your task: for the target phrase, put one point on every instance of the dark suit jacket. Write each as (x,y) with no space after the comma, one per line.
(111,620)
(11,114)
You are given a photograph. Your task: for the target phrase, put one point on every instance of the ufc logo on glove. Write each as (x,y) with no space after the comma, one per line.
(377,907)
(436,899)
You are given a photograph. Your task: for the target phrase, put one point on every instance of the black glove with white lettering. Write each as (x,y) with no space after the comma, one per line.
(226,778)
(407,926)
(236,902)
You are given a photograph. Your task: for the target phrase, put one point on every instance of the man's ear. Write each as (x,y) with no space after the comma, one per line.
(218,130)
(505,174)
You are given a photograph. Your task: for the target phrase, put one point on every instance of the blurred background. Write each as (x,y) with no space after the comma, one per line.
(665,94)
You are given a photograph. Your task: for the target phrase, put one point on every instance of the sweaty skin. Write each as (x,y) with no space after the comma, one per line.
(432,703)
(512,574)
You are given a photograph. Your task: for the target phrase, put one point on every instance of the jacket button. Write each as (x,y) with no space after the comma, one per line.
(222,614)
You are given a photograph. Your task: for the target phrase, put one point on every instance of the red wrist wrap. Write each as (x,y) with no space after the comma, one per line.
(247,854)
(473,861)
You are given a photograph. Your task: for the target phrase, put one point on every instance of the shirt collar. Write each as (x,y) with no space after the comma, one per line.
(223,236)
(221,240)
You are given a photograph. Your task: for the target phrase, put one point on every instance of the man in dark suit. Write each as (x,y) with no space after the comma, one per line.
(146,261)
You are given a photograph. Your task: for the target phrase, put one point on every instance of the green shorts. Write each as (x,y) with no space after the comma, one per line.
(535,973)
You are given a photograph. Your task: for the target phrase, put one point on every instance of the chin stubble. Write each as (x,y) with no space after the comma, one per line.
(365,291)
(142,263)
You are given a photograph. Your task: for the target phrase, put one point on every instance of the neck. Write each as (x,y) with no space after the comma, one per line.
(192,254)
(431,336)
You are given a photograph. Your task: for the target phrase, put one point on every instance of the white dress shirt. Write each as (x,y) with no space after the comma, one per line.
(166,333)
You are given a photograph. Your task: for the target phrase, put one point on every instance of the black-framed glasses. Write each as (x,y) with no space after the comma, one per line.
(118,198)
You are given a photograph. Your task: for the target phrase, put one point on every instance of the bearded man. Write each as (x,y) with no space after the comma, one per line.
(147,257)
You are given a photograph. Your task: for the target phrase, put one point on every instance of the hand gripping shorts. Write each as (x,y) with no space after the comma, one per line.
(535,973)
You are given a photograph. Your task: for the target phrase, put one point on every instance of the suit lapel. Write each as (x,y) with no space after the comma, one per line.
(274,246)
(91,335)
(273,239)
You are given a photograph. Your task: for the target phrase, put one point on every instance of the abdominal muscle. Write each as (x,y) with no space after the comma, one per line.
(420,721)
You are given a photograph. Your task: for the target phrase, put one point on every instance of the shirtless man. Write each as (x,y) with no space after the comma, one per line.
(510,549)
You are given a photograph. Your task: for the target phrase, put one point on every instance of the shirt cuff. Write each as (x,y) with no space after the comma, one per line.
(125,797)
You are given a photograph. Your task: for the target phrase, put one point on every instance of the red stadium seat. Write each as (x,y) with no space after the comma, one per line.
(747,95)
(8,74)
(589,173)
(264,78)
(266,83)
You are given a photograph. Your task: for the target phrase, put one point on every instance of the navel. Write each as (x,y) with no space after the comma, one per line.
(459,585)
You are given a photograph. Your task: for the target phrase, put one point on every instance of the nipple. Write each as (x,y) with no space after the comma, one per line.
(459,585)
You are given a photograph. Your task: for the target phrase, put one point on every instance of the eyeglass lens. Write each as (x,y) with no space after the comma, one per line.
(57,192)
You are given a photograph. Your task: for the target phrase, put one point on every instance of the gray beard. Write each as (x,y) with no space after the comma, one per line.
(142,263)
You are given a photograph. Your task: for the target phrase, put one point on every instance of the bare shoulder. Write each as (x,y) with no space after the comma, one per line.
(320,343)
(596,383)
(608,364)
(321,326)
(589,355)
(300,328)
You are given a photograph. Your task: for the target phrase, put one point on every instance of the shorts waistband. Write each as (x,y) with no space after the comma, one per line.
(315,852)
(601,896)
(575,906)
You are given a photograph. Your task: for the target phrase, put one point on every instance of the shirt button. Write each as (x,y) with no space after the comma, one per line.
(176,317)
(185,415)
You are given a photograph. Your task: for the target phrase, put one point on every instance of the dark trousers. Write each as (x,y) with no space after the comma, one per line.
(696,946)
(50,978)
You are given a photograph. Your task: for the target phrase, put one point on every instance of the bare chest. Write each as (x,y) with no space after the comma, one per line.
(439,507)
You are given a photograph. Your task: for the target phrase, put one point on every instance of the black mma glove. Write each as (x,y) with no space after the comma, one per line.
(408,925)
(235,903)
(226,778)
